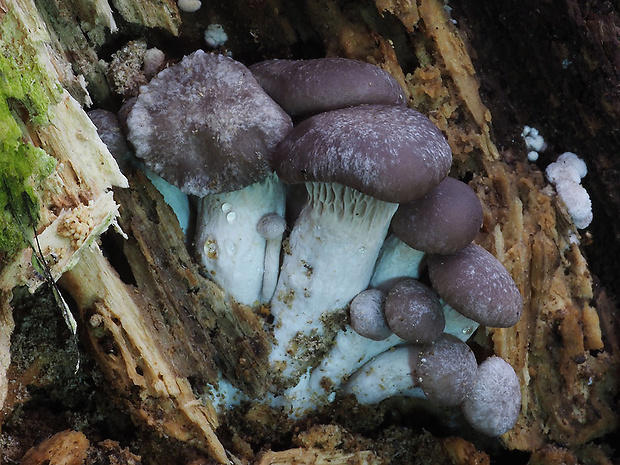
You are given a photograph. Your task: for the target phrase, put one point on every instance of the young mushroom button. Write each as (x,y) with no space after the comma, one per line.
(206,126)
(476,284)
(444,221)
(306,87)
(413,312)
(494,404)
(357,163)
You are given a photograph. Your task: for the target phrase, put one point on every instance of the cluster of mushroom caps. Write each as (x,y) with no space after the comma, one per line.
(378,208)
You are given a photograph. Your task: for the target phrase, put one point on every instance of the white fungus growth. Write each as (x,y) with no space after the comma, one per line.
(189,6)
(566,174)
(215,36)
(534,142)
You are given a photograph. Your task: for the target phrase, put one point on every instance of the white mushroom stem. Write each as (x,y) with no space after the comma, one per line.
(233,252)
(387,375)
(396,260)
(328,260)
(349,352)
(458,325)
(271,226)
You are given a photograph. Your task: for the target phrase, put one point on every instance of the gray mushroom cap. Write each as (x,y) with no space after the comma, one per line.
(392,153)
(304,87)
(206,126)
(366,315)
(446,371)
(476,284)
(413,312)
(494,403)
(444,221)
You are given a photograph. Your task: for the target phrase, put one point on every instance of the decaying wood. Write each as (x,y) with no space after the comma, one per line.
(152,335)
(318,457)
(64,448)
(127,344)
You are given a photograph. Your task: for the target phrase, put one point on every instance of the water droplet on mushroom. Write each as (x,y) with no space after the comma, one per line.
(231,216)
(226,207)
(468,330)
(362,250)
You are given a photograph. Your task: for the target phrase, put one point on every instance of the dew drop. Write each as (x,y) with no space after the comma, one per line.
(226,207)
(231,216)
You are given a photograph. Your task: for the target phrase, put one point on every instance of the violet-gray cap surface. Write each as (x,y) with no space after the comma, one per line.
(305,87)
(206,126)
(413,312)
(392,153)
(446,371)
(494,403)
(366,315)
(476,284)
(444,221)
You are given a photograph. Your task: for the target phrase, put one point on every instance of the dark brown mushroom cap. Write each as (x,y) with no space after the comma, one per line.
(305,87)
(446,371)
(392,153)
(476,284)
(444,221)
(413,312)
(206,126)
(494,403)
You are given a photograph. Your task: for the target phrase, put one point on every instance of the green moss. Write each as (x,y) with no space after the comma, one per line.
(26,91)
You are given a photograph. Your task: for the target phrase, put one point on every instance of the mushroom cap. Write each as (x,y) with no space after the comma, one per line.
(446,371)
(413,312)
(476,284)
(494,403)
(444,221)
(304,87)
(206,126)
(366,315)
(392,153)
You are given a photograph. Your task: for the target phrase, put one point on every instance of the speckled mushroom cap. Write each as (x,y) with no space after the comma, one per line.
(413,312)
(392,153)
(444,221)
(446,371)
(304,87)
(476,284)
(366,315)
(494,403)
(206,126)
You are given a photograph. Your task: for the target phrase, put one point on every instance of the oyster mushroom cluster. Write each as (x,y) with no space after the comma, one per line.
(340,266)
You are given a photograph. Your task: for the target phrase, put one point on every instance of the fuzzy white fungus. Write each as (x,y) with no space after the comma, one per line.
(566,174)
(215,36)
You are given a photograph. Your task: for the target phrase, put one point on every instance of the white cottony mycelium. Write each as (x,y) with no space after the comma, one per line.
(231,247)
(328,260)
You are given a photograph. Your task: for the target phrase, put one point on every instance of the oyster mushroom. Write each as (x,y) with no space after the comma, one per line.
(494,403)
(444,221)
(476,284)
(413,312)
(357,163)
(306,87)
(206,126)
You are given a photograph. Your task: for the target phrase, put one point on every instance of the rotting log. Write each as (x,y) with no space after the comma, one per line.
(564,349)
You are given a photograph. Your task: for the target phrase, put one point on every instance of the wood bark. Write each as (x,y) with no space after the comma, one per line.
(158,329)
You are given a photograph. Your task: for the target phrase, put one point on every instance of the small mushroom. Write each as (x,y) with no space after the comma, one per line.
(306,87)
(446,371)
(444,221)
(413,312)
(494,403)
(476,284)
(357,163)
(366,315)
(206,126)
